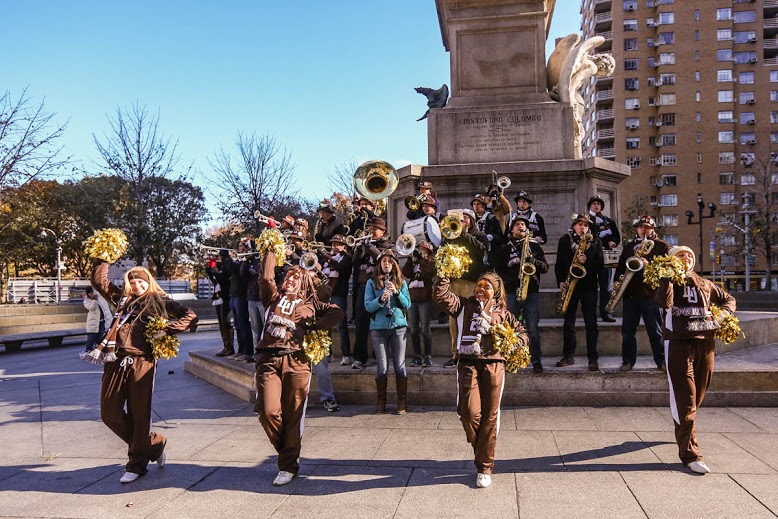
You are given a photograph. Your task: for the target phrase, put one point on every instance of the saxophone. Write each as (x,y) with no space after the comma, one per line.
(576,272)
(527,270)
(634,265)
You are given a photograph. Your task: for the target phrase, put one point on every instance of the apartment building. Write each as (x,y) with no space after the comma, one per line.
(693,108)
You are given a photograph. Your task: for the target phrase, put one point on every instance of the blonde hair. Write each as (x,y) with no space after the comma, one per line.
(152,302)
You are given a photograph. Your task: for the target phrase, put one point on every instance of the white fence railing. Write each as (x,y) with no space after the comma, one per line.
(44,290)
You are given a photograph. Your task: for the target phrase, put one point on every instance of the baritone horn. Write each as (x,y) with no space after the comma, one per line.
(412,203)
(450,227)
(406,244)
(375,179)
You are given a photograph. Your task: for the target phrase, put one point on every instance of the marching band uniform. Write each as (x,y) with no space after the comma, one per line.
(420,270)
(689,342)
(638,300)
(608,232)
(329,225)
(481,368)
(425,189)
(283,369)
(220,273)
(585,292)
(337,267)
(364,214)
(499,206)
(536,223)
(488,224)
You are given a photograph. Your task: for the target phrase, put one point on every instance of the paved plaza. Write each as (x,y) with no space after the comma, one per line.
(58,460)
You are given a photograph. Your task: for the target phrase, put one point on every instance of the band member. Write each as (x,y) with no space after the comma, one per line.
(337,267)
(386,299)
(364,211)
(239,281)
(481,368)
(221,274)
(286,225)
(536,223)
(283,369)
(608,232)
(639,298)
(499,206)
(510,259)
(250,270)
(364,259)
(425,191)
(420,270)
(328,224)
(429,207)
(476,244)
(689,342)
(489,225)
(585,290)
(128,382)
(301,224)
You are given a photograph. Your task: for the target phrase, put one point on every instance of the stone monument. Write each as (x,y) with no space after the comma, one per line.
(512,113)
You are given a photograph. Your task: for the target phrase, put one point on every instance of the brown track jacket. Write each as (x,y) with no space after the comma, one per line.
(688,307)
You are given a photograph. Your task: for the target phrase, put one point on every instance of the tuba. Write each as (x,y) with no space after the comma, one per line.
(451,227)
(375,179)
(405,244)
(576,272)
(634,264)
(527,270)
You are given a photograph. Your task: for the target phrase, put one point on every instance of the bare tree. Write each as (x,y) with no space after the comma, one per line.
(257,175)
(638,205)
(341,178)
(28,136)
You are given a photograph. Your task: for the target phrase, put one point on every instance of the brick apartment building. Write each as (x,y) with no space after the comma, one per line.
(693,108)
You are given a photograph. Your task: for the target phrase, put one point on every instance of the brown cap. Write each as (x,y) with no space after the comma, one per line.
(138,273)
(480,198)
(297,235)
(378,223)
(302,222)
(645,219)
(425,184)
(339,238)
(581,217)
(520,219)
(430,201)
(363,199)
(325,205)
(288,219)
(524,195)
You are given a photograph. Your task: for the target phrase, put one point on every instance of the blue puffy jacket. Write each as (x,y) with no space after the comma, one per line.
(398,304)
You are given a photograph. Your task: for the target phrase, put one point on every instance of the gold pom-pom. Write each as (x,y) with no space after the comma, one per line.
(106,244)
(511,345)
(664,267)
(272,240)
(452,261)
(164,347)
(729,326)
(316,345)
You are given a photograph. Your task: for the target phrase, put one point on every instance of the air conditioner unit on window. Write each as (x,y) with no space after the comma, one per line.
(633,126)
(751,141)
(751,39)
(752,60)
(636,106)
(751,101)
(631,8)
(751,121)
(658,123)
(659,144)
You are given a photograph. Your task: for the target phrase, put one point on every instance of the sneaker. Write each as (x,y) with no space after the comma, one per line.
(699,467)
(427,361)
(283,478)
(483,480)
(241,357)
(331,405)
(537,367)
(625,366)
(565,361)
(608,318)
(346,361)
(450,363)
(129,477)
(234,356)
(593,365)
(416,362)
(357,365)
(225,352)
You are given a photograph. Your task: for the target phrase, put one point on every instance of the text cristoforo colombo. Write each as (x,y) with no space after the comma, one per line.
(500,119)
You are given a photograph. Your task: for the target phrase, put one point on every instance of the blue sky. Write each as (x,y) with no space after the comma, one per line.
(331,80)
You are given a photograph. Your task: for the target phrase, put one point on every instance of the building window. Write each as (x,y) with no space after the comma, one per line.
(774,96)
(632,123)
(667,139)
(747,179)
(745,16)
(726,137)
(667,79)
(666,38)
(726,178)
(746,78)
(669,160)
(697,96)
(773,137)
(745,37)
(724,13)
(631,103)
(747,98)
(726,96)
(696,15)
(670,220)
(631,44)
(698,137)
(633,143)
(747,118)
(696,55)
(671,239)
(668,119)
(697,76)
(745,57)
(630,64)
(774,117)
(728,240)
(631,25)
(631,84)
(630,5)
(666,99)
(724,55)
(724,76)
(727,157)
(748,138)
(699,158)
(668,200)
(666,18)
(667,58)
(650,62)
(699,178)
(696,35)
(633,162)
(669,180)
(727,198)
(774,76)
(724,34)
(726,116)
(748,159)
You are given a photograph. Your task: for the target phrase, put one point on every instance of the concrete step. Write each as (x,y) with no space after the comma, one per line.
(742,378)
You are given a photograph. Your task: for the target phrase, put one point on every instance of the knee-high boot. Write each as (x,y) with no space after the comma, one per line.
(402,395)
(226,334)
(380,405)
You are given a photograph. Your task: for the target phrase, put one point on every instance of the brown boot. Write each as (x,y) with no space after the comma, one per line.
(226,342)
(402,395)
(380,406)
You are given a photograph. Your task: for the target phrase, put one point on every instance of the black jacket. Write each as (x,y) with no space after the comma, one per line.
(605,229)
(564,258)
(328,230)
(510,273)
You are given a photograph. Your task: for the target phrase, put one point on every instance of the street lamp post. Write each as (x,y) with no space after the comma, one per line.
(700,218)
(44,231)
(747,213)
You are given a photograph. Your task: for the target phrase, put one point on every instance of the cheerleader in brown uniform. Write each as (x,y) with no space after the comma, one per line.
(481,367)
(128,381)
(283,369)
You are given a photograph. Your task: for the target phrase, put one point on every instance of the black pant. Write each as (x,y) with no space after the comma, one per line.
(604,281)
(362,327)
(588,300)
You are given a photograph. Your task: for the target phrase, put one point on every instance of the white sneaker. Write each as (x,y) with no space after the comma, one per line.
(346,361)
(161,460)
(483,480)
(699,467)
(129,477)
(283,478)
(357,365)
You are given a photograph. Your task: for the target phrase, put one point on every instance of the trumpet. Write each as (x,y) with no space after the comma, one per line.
(450,227)
(313,246)
(405,244)
(634,265)
(351,241)
(503,182)
(261,218)
(577,271)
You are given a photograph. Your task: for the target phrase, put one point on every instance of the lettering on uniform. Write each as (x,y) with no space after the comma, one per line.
(690,294)
(287,306)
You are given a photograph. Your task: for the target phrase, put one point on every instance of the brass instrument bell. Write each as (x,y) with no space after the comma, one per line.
(451,227)
(375,179)
(405,244)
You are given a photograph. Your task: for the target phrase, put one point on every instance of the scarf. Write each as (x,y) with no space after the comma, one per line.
(106,350)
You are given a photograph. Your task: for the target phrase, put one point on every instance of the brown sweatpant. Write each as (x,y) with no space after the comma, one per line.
(480,385)
(282,393)
(130,380)
(689,371)
(463,288)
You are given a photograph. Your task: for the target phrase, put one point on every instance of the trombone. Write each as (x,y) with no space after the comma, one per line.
(215,250)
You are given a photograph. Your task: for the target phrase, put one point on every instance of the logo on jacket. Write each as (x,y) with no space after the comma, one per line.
(287,306)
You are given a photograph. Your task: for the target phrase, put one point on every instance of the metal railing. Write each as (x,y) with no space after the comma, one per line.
(44,290)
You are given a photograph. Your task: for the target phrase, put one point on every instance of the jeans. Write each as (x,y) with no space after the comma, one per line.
(604,281)
(345,339)
(323,380)
(531,320)
(240,314)
(382,339)
(652,317)
(93,338)
(419,315)
(588,300)
(363,327)
(354,293)
(256,317)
